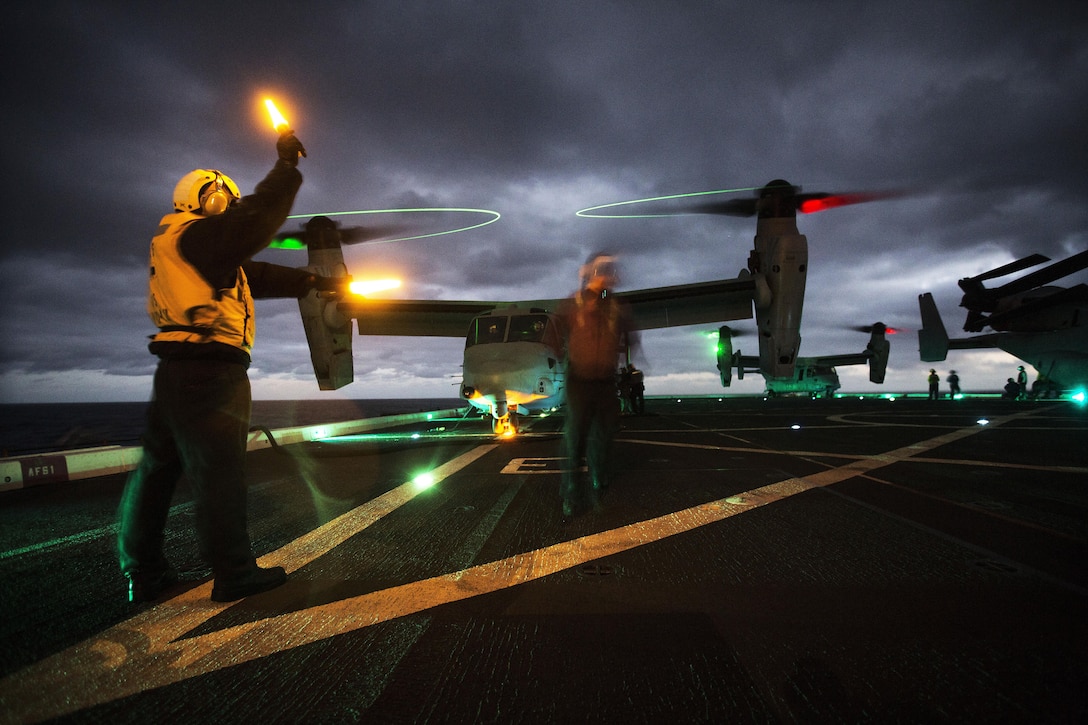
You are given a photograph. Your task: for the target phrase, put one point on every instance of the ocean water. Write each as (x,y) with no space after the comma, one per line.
(28,428)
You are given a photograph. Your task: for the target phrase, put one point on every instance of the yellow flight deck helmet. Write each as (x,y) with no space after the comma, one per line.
(205,191)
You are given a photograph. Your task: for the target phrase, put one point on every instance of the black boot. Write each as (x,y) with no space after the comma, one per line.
(146,587)
(257,580)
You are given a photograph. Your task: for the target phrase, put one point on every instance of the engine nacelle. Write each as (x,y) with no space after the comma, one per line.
(328,331)
(880,348)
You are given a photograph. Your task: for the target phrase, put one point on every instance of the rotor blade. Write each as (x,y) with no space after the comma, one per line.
(1029,261)
(812,203)
(729,207)
(358,235)
(888,330)
(1056,271)
(778,196)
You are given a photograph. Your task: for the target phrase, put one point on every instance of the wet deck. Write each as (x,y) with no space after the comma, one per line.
(785,561)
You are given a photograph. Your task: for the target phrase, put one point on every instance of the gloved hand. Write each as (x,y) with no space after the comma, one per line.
(289,148)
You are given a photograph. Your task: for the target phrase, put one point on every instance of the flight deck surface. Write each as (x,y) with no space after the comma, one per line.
(755,561)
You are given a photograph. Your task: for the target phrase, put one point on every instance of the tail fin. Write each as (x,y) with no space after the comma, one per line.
(932,338)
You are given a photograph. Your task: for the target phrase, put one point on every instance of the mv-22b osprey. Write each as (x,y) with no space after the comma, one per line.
(513,360)
(778,266)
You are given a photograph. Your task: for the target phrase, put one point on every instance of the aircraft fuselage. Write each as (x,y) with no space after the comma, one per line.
(1060,356)
(808,379)
(513,362)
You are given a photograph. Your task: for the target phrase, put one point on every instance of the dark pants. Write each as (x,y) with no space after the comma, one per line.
(593,412)
(197,425)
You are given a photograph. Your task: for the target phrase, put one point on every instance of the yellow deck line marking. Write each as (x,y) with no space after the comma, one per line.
(142,644)
(143,653)
(854,456)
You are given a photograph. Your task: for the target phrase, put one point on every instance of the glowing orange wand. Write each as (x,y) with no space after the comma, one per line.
(288,146)
(278,121)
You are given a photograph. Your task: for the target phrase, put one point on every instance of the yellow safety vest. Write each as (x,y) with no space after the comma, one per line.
(183,305)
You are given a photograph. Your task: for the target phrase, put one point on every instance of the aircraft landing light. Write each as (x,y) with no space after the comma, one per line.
(369,287)
(795,427)
(983,421)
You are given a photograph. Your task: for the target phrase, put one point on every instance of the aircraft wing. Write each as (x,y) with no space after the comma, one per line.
(856,358)
(415,318)
(751,362)
(687,304)
(691,304)
(747,363)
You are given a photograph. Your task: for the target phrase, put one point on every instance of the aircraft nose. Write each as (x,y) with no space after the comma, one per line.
(502,377)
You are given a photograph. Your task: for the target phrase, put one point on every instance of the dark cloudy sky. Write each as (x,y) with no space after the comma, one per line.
(536,110)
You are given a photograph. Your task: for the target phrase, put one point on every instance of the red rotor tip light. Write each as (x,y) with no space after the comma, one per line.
(811,206)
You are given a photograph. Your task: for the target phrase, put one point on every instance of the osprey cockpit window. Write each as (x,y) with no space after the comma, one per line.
(486,329)
(527,328)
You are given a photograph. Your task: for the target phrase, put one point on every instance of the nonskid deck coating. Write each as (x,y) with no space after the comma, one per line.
(866,565)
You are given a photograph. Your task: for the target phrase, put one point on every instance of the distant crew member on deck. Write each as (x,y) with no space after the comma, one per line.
(934,384)
(1012,390)
(1022,381)
(637,390)
(953,385)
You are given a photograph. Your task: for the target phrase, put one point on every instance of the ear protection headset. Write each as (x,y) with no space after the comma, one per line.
(205,191)
(215,198)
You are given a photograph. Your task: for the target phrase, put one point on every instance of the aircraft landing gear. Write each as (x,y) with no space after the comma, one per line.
(506,425)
